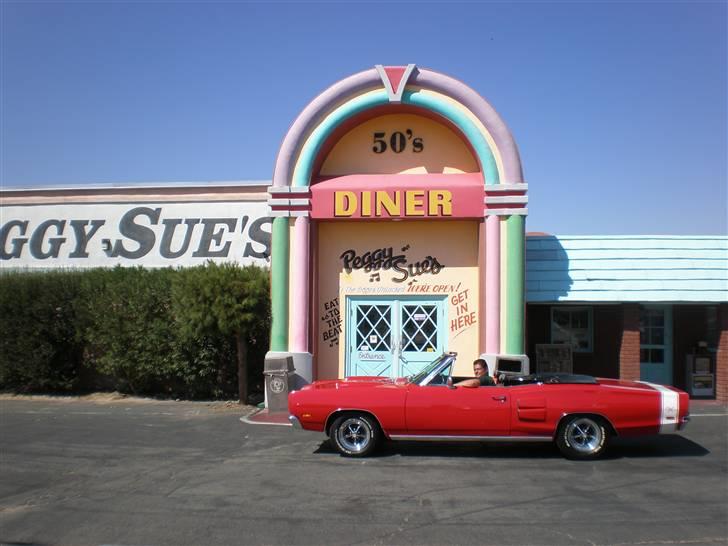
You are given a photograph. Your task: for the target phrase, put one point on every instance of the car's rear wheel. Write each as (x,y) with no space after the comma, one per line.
(355,434)
(582,437)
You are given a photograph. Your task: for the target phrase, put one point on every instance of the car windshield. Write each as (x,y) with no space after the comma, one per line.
(427,370)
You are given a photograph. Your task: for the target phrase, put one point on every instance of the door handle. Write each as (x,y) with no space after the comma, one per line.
(499,398)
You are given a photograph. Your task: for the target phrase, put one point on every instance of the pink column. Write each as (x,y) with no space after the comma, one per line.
(299,285)
(492,284)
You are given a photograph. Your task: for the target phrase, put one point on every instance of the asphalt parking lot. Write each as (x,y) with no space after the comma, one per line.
(130,472)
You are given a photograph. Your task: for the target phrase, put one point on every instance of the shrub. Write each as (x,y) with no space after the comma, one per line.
(228,300)
(128,329)
(39,346)
(144,331)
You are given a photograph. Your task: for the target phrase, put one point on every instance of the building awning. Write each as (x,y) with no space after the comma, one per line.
(403,196)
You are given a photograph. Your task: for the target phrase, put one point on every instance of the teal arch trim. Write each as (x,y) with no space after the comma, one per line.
(312,147)
(469,129)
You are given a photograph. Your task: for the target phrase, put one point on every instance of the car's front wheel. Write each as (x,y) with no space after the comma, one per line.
(582,437)
(355,434)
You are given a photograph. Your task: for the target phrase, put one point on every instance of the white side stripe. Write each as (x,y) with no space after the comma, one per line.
(669,409)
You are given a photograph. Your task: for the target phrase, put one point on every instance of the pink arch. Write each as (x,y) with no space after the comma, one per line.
(356,84)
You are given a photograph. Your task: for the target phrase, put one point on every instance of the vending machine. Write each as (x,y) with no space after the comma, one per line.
(700,367)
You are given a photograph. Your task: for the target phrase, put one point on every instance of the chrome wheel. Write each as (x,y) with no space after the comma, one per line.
(584,435)
(354,434)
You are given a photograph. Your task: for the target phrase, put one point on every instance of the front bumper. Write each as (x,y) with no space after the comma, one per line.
(295,422)
(683,422)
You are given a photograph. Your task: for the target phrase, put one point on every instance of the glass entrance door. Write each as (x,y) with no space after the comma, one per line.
(393,337)
(371,347)
(656,344)
(420,338)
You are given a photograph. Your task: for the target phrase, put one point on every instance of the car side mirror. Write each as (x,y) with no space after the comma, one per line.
(449,382)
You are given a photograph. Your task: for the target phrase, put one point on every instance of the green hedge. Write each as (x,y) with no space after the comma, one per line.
(40,349)
(131,330)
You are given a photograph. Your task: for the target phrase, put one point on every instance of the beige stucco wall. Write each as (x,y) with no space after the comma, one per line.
(453,243)
(442,151)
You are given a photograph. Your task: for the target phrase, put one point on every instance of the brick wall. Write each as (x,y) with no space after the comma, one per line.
(607,330)
(629,346)
(721,363)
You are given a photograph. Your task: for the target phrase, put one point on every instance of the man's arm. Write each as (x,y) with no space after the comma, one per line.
(469,383)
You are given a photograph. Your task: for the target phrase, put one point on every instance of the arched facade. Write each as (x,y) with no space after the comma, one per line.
(385,162)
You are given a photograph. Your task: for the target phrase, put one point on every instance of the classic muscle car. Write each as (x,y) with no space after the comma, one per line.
(578,412)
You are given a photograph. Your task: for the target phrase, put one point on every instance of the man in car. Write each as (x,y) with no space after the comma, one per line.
(480,369)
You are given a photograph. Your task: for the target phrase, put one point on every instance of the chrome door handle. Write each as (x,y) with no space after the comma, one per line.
(499,398)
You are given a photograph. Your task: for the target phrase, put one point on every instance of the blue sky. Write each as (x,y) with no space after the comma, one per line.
(618,108)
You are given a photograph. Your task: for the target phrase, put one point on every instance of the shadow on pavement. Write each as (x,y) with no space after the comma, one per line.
(455,449)
(669,445)
(664,445)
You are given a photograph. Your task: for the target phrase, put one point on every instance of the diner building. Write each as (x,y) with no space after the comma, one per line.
(395,229)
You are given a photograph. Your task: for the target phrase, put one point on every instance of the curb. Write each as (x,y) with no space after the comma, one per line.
(249,419)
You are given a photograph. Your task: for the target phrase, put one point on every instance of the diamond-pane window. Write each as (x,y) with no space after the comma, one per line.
(373,328)
(419,328)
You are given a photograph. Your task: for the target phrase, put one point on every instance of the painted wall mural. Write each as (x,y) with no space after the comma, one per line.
(465,311)
(331,322)
(384,259)
(351,255)
(415,288)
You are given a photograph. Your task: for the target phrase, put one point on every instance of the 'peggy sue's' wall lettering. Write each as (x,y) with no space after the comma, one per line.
(383,259)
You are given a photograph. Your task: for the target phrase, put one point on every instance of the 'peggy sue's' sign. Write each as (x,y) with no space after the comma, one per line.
(149,234)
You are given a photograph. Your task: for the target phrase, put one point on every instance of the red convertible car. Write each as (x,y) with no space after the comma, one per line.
(578,412)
